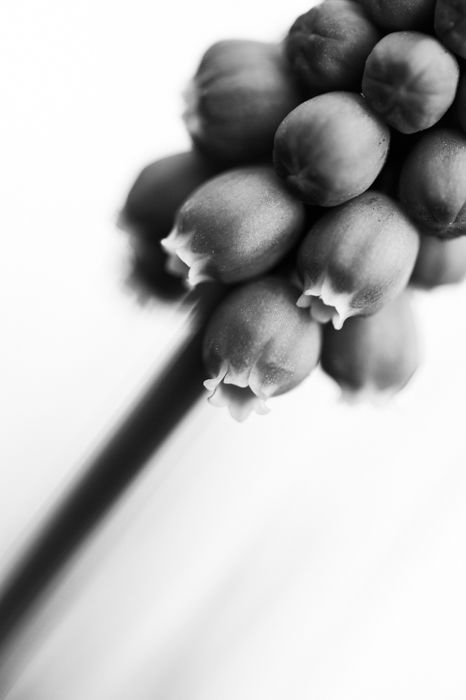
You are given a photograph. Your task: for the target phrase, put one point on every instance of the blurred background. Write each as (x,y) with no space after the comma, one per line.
(316,552)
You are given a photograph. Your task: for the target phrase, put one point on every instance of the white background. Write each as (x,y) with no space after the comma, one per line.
(317,552)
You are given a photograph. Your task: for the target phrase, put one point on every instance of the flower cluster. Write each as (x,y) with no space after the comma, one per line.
(328,173)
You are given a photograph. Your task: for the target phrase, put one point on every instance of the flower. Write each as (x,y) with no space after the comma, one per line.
(433,183)
(331,148)
(329,44)
(376,356)
(258,344)
(410,80)
(356,258)
(238,97)
(235,227)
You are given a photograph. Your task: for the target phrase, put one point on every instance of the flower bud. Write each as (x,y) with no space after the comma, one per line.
(161,188)
(410,80)
(439,262)
(236,226)
(331,148)
(433,183)
(258,344)
(238,97)
(328,46)
(450,25)
(393,15)
(356,258)
(375,356)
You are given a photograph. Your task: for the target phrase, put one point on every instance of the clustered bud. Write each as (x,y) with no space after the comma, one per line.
(373,357)
(258,344)
(238,97)
(410,80)
(433,183)
(356,258)
(333,162)
(328,46)
(331,148)
(235,227)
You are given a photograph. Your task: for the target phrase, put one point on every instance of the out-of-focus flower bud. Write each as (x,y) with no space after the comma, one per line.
(161,188)
(439,262)
(241,92)
(331,148)
(373,357)
(236,226)
(393,15)
(258,344)
(410,80)
(433,183)
(356,258)
(450,25)
(328,46)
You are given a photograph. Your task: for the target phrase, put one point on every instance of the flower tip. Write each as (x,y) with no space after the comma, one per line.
(171,243)
(304,301)
(197,274)
(240,411)
(211,384)
(261,408)
(234,392)
(338,321)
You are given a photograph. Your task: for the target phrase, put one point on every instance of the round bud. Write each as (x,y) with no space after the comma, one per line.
(258,344)
(450,25)
(433,183)
(393,15)
(241,92)
(235,226)
(439,262)
(328,46)
(331,148)
(373,357)
(356,258)
(410,80)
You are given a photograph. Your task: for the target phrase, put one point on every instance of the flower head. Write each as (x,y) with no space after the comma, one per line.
(258,344)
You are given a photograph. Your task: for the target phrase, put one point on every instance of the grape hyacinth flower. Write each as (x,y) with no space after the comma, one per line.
(356,258)
(235,227)
(374,357)
(258,344)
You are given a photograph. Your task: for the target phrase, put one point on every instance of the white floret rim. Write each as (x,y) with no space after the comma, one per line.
(183,261)
(325,303)
(251,398)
